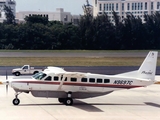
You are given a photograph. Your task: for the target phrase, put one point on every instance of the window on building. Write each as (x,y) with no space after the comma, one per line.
(55,78)
(112,6)
(158,3)
(66,18)
(122,6)
(84,80)
(128,6)
(138,6)
(146,12)
(100,13)
(104,7)
(135,6)
(99,80)
(145,5)
(116,6)
(132,6)
(91,79)
(100,7)
(141,6)
(151,5)
(96,2)
(109,7)
(106,80)
(73,79)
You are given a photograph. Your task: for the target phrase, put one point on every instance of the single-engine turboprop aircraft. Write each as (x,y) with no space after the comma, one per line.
(55,82)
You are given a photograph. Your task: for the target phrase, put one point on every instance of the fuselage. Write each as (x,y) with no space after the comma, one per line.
(83,86)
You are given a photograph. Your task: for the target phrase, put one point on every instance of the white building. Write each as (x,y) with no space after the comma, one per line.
(10,3)
(137,7)
(58,15)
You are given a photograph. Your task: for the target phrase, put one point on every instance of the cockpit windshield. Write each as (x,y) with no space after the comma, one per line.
(39,76)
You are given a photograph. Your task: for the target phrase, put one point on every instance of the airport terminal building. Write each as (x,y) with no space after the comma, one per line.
(137,7)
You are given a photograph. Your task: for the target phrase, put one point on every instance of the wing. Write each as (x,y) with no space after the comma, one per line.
(70,74)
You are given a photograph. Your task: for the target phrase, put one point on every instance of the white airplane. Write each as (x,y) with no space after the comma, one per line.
(55,82)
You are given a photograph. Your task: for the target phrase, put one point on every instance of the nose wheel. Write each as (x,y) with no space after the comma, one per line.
(16,101)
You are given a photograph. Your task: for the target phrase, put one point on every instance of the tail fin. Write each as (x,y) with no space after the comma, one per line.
(147,69)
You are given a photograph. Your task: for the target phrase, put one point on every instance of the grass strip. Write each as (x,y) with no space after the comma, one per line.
(71,61)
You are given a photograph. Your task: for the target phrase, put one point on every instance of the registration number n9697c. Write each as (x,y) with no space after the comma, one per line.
(123,82)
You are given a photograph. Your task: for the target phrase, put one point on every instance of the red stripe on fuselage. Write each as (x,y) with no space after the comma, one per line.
(79,84)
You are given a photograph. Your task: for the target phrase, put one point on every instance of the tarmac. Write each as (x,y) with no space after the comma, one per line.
(133,104)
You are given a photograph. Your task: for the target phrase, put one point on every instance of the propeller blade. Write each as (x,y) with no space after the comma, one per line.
(7,88)
(7,82)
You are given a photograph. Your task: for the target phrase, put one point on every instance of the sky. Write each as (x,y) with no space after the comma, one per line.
(73,6)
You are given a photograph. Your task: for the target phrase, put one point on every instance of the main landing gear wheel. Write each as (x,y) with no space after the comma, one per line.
(68,101)
(16,101)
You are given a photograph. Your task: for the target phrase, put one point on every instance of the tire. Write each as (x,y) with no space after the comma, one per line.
(16,101)
(17,73)
(68,101)
(61,100)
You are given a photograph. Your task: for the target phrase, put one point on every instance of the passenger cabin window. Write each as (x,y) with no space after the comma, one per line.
(49,78)
(106,80)
(91,80)
(99,80)
(84,80)
(55,78)
(73,79)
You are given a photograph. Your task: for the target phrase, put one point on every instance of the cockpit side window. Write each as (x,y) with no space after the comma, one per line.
(39,76)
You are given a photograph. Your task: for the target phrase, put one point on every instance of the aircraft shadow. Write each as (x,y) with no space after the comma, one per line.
(152,104)
(89,107)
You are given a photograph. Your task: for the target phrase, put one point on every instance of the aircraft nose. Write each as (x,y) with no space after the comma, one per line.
(1,82)
(4,82)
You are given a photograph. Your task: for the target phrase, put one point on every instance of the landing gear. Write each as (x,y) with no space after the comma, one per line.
(16,101)
(67,101)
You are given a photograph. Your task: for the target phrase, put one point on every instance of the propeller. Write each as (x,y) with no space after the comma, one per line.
(7,82)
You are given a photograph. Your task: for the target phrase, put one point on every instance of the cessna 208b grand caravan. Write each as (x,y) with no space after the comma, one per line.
(55,82)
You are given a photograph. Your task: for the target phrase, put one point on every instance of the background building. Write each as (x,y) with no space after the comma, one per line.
(137,7)
(10,3)
(58,15)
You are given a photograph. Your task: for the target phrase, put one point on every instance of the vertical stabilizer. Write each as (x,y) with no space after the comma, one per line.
(148,68)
